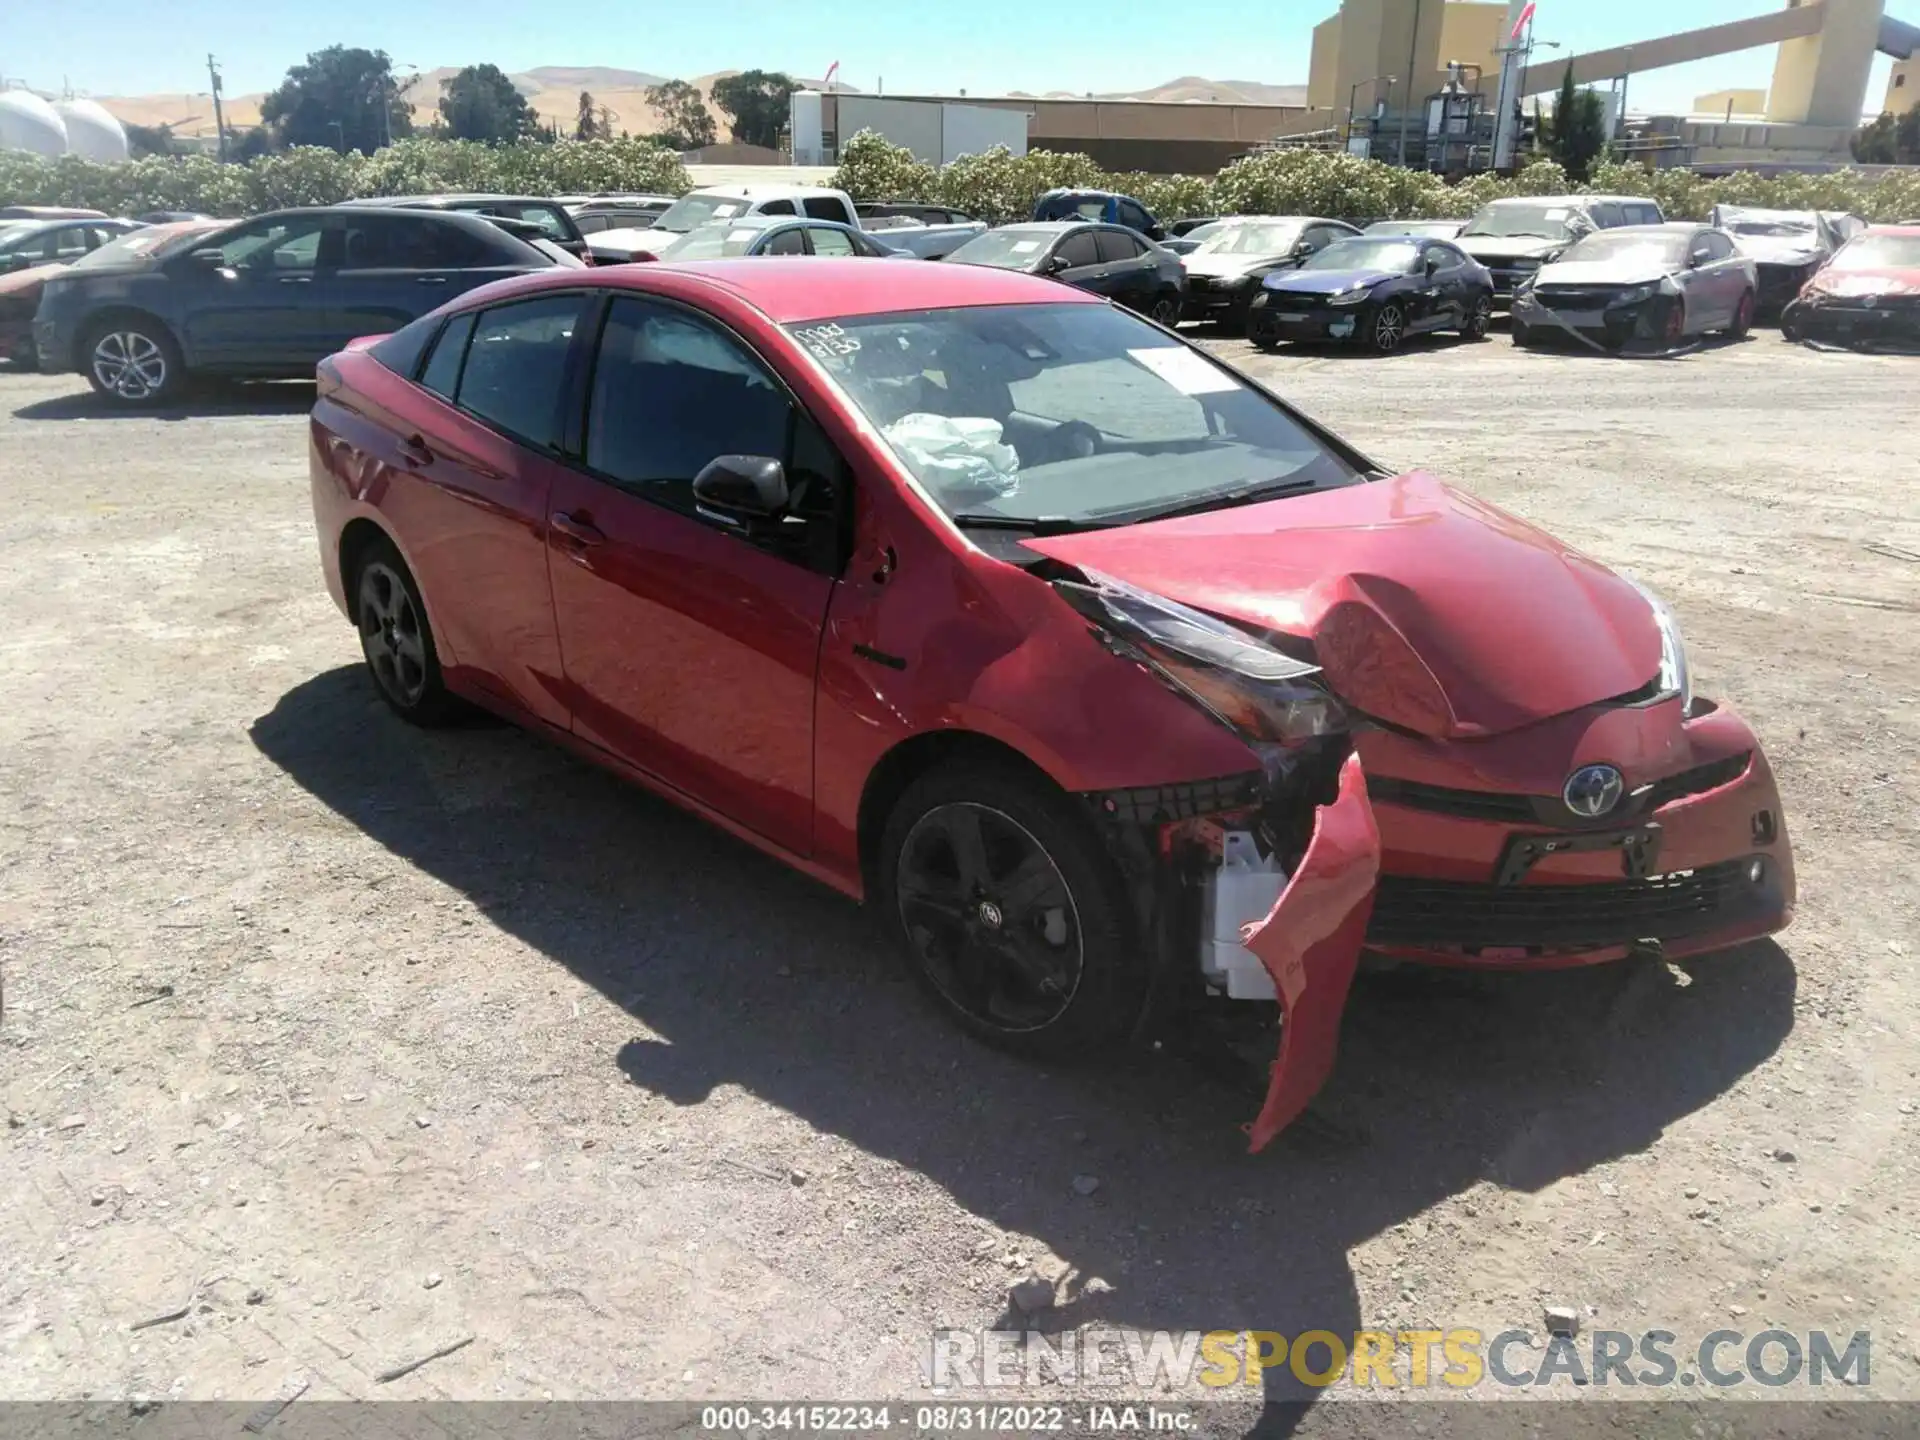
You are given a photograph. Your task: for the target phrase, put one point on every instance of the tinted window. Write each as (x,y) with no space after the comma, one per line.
(1449,258)
(550,218)
(1607,215)
(1079,249)
(831,242)
(1718,246)
(516,363)
(1115,246)
(394,242)
(791,241)
(777,207)
(669,394)
(591,224)
(400,352)
(1643,214)
(827,207)
(442,375)
(1132,214)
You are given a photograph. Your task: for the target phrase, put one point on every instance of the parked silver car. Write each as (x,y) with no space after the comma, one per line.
(1639,282)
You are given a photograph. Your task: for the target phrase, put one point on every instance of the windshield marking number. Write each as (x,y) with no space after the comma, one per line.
(828,342)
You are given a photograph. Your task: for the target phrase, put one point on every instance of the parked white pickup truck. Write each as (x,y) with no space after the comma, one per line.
(731,202)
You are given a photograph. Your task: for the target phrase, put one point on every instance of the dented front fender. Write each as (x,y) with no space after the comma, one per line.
(1310,944)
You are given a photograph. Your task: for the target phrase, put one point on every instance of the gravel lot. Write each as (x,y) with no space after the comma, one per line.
(352,1041)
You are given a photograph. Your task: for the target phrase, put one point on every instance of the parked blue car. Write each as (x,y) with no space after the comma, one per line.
(1100,206)
(1374,291)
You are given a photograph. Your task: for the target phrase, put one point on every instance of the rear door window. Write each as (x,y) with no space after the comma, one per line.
(442,375)
(516,367)
(1115,245)
(791,241)
(777,207)
(1607,215)
(827,207)
(827,241)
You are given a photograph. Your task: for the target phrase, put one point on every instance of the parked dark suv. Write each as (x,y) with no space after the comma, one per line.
(553,218)
(266,297)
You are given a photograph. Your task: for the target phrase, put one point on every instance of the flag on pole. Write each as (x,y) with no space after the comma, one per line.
(834,69)
(1525,15)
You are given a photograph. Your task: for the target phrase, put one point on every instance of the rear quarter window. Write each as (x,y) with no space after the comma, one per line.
(442,375)
(401,351)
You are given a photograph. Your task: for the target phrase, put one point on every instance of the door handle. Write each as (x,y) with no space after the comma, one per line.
(579,531)
(415,451)
(429,279)
(296,279)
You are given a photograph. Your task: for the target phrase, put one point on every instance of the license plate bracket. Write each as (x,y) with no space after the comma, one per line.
(1639,849)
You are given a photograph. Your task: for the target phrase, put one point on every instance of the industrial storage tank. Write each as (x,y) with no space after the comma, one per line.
(92,133)
(29,123)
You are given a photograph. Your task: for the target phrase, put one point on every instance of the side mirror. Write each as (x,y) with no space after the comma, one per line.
(1432,263)
(1302,249)
(1058,263)
(1156,232)
(737,488)
(1699,258)
(211,259)
(11,263)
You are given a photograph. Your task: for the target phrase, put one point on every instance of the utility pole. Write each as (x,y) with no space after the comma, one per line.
(219,115)
(1413,62)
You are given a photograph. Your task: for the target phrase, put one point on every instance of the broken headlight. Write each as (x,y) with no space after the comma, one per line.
(1262,695)
(1675,678)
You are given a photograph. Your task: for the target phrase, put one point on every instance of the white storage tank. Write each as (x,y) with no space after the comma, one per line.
(805,125)
(29,123)
(92,133)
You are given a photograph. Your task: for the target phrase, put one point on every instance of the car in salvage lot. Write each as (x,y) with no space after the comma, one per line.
(1374,291)
(1224,273)
(1514,237)
(261,298)
(1787,247)
(1868,293)
(1642,282)
(1113,261)
(1030,623)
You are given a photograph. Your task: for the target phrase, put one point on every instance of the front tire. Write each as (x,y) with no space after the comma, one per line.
(1010,913)
(397,640)
(1523,335)
(1386,329)
(1742,317)
(1479,319)
(133,361)
(1165,310)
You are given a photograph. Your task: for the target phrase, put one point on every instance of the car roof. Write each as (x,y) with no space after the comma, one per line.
(451,198)
(1908,228)
(762,192)
(795,289)
(1574,200)
(1670,227)
(37,226)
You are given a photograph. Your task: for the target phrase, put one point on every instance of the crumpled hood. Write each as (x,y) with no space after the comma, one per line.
(1510,247)
(1888,281)
(1325,282)
(1789,250)
(1600,272)
(1426,607)
(1217,266)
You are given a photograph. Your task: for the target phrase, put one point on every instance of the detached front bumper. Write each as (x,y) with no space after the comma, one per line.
(1280,315)
(1607,322)
(1696,860)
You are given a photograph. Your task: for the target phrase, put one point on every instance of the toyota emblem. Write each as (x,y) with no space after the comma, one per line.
(1593,791)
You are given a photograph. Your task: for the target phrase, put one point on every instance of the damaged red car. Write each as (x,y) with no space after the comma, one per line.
(1120,688)
(1867,294)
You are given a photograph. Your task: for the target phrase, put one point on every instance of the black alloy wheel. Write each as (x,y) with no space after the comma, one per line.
(397,640)
(1165,310)
(1479,319)
(1010,912)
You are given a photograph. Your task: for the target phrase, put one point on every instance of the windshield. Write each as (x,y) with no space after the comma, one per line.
(1779,225)
(1398,256)
(1250,240)
(156,241)
(1440,229)
(1071,414)
(692,211)
(1549,222)
(1010,249)
(711,242)
(1879,252)
(1625,247)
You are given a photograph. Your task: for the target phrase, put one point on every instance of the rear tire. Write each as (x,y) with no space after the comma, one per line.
(1479,320)
(397,640)
(133,361)
(1010,913)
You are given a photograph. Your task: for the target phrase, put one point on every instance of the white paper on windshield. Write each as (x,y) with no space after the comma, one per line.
(725,212)
(1185,371)
(733,235)
(1558,212)
(1025,247)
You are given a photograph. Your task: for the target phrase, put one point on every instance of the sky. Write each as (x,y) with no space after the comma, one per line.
(120,47)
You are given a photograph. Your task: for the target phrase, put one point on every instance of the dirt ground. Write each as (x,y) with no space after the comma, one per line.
(350,1042)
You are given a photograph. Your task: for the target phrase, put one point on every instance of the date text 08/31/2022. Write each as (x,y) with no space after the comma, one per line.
(942,1419)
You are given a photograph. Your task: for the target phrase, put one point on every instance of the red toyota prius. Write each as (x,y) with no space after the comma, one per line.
(1120,687)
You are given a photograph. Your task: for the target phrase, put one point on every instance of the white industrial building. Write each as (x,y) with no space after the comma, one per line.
(59,127)
(936,131)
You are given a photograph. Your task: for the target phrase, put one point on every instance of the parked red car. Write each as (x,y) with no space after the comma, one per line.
(1063,642)
(1868,293)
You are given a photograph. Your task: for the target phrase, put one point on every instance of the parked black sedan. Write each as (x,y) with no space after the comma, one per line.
(551,216)
(1225,270)
(1109,260)
(1375,291)
(266,297)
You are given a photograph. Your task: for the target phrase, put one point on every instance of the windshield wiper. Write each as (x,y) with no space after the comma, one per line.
(1028,525)
(1224,500)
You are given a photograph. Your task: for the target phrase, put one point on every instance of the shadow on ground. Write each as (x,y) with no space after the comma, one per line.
(270,397)
(756,977)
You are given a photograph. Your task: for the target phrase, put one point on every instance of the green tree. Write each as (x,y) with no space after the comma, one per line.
(481,103)
(1874,144)
(145,140)
(249,144)
(1579,129)
(689,124)
(755,103)
(586,125)
(344,99)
